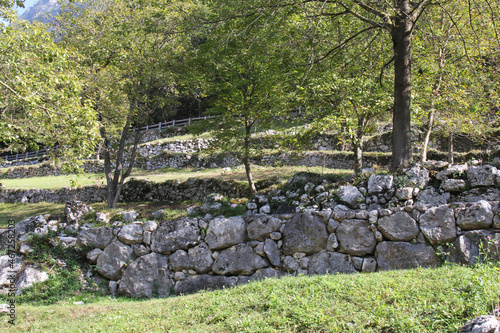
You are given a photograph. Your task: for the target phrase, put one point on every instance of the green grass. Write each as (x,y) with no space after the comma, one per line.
(161,175)
(420,300)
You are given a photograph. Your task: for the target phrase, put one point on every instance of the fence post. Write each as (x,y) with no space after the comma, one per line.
(27,154)
(173,123)
(189,121)
(159,126)
(147,127)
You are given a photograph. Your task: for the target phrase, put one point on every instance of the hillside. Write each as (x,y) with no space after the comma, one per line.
(41,11)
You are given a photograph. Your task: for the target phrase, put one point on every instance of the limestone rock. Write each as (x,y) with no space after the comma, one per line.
(399,226)
(304,233)
(129,217)
(380,183)
(93,255)
(453,185)
(478,215)
(225,232)
(29,276)
(438,224)
(174,235)
(236,260)
(272,252)
(200,258)
(196,283)
(475,245)
(97,237)
(431,197)
(144,278)
(482,175)
(418,176)
(76,210)
(452,172)
(261,226)
(350,195)
(402,255)
(131,234)
(114,259)
(482,324)
(355,237)
(326,262)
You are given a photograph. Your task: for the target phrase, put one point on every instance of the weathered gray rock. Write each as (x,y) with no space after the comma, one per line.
(239,259)
(97,237)
(76,210)
(454,171)
(150,225)
(225,232)
(431,197)
(174,235)
(290,264)
(475,245)
(355,237)
(380,183)
(114,259)
(261,226)
(9,264)
(332,244)
(404,193)
(93,255)
(453,185)
(140,250)
(350,195)
(196,283)
(29,276)
(482,324)
(28,225)
(144,278)
(272,252)
(482,175)
(438,224)
(399,226)
(369,265)
(200,258)
(418,177)
(179,260)
(304,233)
(477,215)
(131,234)
(402,255)
(326,262)
(129,217)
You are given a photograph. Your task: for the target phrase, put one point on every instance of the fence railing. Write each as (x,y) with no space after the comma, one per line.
(157,127)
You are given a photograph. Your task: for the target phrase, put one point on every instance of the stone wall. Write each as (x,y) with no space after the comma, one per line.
(133,191)
(206,253)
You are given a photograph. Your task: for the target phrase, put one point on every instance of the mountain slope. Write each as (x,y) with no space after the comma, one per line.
(42,11)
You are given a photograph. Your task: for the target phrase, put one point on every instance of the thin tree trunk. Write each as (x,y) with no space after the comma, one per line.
(450,148)
(246,158)
(358,156)
(430,124)
(401,34)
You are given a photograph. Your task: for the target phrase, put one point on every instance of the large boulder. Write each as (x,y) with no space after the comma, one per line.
(402,255)
(304,233)
(261,226)
(96,237)
(200,258)
(399,226)
(196,283)
(380,183)
(482,175)
(236,260)
(225,232)
(351,196)
(475,245)
(131,234)
(438,224)
(478,215)
(175,235)
(356,238)
(114,259)
(326,262)
(145,278)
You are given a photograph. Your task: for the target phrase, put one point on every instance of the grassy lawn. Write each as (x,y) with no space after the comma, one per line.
(421,300)
(161,175)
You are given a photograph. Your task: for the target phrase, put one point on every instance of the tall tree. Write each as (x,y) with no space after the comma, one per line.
(245,72)
(132,50)
(41,88)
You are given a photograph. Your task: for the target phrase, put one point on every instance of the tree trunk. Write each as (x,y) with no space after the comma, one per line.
(450,148)
(246,158)
(401,34)
(430,124)
(358,156)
